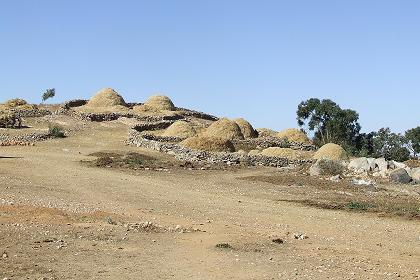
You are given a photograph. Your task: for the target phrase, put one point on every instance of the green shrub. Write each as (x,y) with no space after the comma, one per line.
(56,131)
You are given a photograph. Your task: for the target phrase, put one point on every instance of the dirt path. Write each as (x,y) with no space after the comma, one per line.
(212,206)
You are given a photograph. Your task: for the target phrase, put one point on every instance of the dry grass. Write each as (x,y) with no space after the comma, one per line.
(208,143)
(286,153)
(246,128)
(331,151)
(294,135)
(106,100)
(16,104)
(158,103)
(266,132)
(180,129)
(224,128)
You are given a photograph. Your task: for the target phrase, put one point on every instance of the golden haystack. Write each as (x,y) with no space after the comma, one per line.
(224,128)
(15,102)
(331,151)
(265,132)
(180,129)
(208,143)
(106,98)
(294,135)
(287,153)
(254,152)
(246,128)
(159,103)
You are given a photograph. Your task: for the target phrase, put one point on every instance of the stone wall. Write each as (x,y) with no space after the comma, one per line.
(27,137)
(183,153)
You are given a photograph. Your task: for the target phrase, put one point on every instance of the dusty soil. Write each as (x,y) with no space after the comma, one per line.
(62,218)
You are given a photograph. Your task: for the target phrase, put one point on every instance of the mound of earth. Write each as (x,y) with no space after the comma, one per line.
(246,128)
(224,128)
(331,151)
(181,129)
(208,143)
(294,135)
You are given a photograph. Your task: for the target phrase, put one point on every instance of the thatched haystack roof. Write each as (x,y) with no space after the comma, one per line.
(159,103)
(331,151)
(266,132)
(224,128)
(208,143)
(106,98)
(181,129)
(294,135)
(246,128)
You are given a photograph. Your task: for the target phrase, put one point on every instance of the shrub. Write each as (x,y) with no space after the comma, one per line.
(330,167)
(56,131)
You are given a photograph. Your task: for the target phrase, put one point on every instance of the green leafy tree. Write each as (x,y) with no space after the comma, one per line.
(391,146)
(49,93)
(413,138)
(330,123)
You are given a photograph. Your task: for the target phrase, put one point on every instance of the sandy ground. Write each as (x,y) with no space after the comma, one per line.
(60,219)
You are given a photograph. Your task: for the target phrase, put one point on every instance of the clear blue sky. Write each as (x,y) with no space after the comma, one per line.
(254,59)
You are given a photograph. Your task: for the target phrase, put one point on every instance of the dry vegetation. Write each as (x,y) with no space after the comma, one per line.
(209,143)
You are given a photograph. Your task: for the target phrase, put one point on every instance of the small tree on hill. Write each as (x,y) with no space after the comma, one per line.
(49,93)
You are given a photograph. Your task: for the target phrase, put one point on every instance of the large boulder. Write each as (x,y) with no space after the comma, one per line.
(360,165)
(382,164)
(400,175)
(415,175)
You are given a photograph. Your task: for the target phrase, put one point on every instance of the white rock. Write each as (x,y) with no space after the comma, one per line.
(398,164)
(415,174)
(382,164)
(359,165)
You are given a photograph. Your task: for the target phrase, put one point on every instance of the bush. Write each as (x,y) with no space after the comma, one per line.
(330,167)
(56,131)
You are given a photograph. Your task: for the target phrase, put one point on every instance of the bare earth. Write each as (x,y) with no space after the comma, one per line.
(62,219)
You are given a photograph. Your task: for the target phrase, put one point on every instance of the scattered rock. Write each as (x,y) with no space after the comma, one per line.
(300,236)
(278,240)
(336,178)
(361,182)
(400,175)
(224,246)
(4,255)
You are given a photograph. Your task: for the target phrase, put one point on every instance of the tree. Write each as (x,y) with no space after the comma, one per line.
(413,138)
(49,93)
(391,146)
(330,123)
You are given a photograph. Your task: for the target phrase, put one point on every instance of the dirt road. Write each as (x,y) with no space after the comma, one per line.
(61,219)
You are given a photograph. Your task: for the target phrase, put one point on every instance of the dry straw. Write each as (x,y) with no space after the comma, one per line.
(224,128)
(209,143)
(294,135)
(331,151)
(265,132)
(159,103)
(246,128)
(180,129)
(286,153)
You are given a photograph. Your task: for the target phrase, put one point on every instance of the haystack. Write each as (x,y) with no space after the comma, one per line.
(331,151)
(224,128)
(294,135)
(208,143)
(254,152)
(287,153)
(159,103)
(280,152)
(265,132)
(180,129)
(12,103)
(106,98)
(246,128)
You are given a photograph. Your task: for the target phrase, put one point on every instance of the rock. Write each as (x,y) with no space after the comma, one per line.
(360,165)
(371,162)
(398,164)
(300,236)
(4,255)
(415,175)
(382,164)
(335,178)
(361,182)
(400,175)
(315,169)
